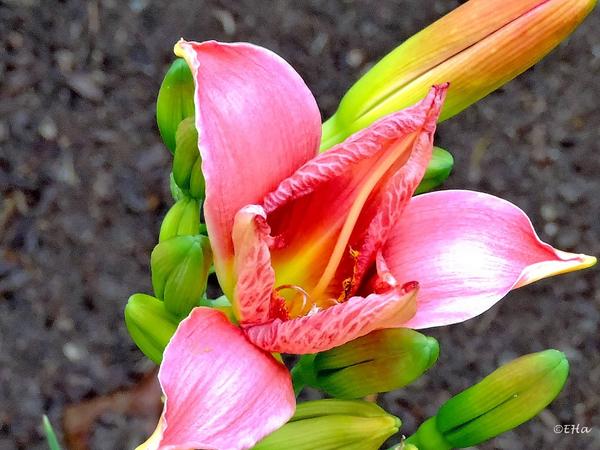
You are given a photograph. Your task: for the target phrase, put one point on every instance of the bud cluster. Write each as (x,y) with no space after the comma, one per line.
(182,260)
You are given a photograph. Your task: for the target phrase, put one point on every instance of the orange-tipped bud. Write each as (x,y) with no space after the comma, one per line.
(477,47)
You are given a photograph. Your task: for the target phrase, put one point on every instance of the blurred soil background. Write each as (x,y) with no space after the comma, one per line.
(84,185)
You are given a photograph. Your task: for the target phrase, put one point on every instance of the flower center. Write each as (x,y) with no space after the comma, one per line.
(290,301)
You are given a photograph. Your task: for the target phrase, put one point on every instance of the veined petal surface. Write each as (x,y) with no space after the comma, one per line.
(330,217)
(255,277)
(467,250)
(338,324)
(221,392)
(257,123)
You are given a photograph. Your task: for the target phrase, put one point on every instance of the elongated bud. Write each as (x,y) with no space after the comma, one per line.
(438,170)
(183,219)
(180,267)
(478,47)
(150,325)
(187,170)
(381,361)
(510,396)
(334,425)
(175,101)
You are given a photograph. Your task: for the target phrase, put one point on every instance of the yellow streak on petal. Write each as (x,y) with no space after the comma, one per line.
(367,186)
(154,440)
(569,263)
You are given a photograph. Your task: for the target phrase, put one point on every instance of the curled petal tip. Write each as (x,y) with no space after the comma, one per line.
(588,261)
(565,263)
(178,48)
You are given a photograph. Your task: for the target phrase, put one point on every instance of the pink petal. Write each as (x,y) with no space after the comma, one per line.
(257,123)
(349,196)
(467,250)
(255,276)
(221,392)
(337,324)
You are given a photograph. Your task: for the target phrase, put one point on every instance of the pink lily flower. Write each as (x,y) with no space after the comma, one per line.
(317,250)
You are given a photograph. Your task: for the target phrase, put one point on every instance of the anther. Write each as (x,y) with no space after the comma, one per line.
(292,304)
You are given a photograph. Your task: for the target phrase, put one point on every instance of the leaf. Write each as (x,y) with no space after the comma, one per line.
(50,434)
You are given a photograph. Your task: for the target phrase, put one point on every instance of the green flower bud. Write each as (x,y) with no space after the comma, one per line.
(438,170)
(187,170)
(183,219)
(381,361)
(175,101)
(334,425)
(510,396)
(150,325)
(180,267)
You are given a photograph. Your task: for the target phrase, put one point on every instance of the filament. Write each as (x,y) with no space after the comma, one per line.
(299,303)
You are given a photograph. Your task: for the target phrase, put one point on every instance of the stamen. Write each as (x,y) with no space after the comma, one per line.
(364,190)
(349,283)
(299,303)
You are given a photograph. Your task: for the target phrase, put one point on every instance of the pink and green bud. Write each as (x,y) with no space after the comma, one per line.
(150,325)
(183,219)
(180,268)
(334,425)
(381,361)
(187,170)
(478,47)
(175,101)
(510,396)
(438,170)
